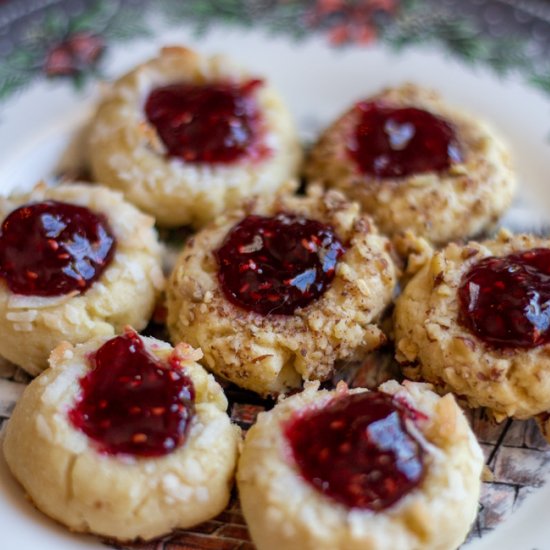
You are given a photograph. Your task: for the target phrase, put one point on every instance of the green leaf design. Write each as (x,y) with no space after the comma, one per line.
(112,20)
(461,38)
(541,81)
(9,83)
(17,70)
(22,60)
(54,24)
(96,17)
(126,24)
(204,14)
(289,18)
(414,24)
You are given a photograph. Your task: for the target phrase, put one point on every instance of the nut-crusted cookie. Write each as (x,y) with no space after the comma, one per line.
(73,280)
(280,291)
(126,438)
(402,471)
(475,321)
(415,163)
(185,137)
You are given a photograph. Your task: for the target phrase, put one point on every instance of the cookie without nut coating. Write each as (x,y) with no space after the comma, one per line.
(127,154)
(125,293)
(461,201)
(432,345)
(282,510)
(120,497)
(272,353)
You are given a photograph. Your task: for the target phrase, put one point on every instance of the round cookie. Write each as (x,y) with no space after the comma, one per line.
(270,352)
(125,293)
(72,478)
(461,193)
(127,150)
(453,326)
(283,509)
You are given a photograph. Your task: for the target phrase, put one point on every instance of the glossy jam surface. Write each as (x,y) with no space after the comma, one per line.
(52,248)
(211,123)
(506,301)
(131,402)
(358,450)
(390,142)
(278,264)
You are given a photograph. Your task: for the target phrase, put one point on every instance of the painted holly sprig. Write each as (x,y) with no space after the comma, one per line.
(60,46)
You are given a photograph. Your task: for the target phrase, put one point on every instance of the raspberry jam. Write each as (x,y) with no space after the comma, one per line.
(211,123)
(278,264)
(391,142)
(52,248)
(131,402)
(358,450)
(506,301)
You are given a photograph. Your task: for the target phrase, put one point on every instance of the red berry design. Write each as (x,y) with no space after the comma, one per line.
(74,55)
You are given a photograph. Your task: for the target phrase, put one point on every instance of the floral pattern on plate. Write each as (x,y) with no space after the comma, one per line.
(67,39)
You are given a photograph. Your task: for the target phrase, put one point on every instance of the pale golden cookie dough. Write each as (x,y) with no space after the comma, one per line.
(274,353)
(282,510)
(126,292)
(463,201)
(119,497)
(127,154)
(432,346)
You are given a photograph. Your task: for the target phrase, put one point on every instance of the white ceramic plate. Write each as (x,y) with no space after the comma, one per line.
(38,125)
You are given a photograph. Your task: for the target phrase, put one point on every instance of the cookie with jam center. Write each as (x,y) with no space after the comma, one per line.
(282,290)
(124,437)
(415,163)
(355,469)
(76,261)
(475,320)
(186,136)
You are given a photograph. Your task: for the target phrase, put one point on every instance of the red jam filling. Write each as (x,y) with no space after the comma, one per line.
(391,142)
(358,450)
(52,248)
(212,123)
(278,264)
(131,402)
(505,301)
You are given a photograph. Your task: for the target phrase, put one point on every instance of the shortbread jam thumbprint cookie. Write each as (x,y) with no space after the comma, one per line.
(398,468)
(127,438)
(185,137)
(476,321)
(281,290)
(415,163)
(76,261)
